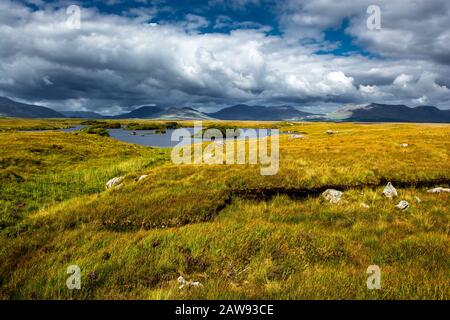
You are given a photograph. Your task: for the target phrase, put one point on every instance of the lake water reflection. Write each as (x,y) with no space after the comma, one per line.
(163,140)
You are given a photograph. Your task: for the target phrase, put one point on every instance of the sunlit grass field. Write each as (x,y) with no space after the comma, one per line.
(240,234)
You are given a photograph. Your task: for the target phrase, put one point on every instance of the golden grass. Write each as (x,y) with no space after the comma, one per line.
(243,235)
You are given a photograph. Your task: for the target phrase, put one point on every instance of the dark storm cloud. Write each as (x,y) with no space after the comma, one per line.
(117,62)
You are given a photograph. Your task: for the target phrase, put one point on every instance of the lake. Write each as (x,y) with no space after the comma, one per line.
(162,140)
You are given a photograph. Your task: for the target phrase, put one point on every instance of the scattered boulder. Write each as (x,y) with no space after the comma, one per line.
(114,182)
(332,195)
(142,177)
(183,283)
(297,136)
(389,191)
(438,190)
(403,205)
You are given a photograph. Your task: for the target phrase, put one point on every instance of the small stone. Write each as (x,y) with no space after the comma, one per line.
(438,190)
(142,177)
(404,145)
(332,195)
(114,182)
(389,191)
(329,132)
(195,284)
(297,136)
(183,283)
(403,205)
(364,205)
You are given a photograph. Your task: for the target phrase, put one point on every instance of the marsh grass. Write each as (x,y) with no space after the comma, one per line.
(42,168)
(242,235)
(12,124)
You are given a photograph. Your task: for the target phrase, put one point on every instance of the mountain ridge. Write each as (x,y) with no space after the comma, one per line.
(377,112)
(11,108)
(372,112)
(82,114)
(262,113)
(172,113)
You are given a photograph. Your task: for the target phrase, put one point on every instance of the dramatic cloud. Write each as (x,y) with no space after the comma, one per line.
(119,60)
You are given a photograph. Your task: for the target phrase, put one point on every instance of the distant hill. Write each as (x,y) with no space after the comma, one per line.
(376,112)
(184,114)
(10,108)
(245,112)
(82,114)
(172,113)
(373,112)
(145,112)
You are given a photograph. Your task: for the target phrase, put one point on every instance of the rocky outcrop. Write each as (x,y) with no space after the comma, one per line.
(332,195)
(389,191)
(403,205)
(114,182)
(142,177)
(184,283)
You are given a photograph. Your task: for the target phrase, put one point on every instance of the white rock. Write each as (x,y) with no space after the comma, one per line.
(195,284)
(333,196)
(438,190)
(297,136)
(183,283)
(329,132)
(404,145)
(402,205)
(114,182)
(389,191)
(143,177)
(364,205)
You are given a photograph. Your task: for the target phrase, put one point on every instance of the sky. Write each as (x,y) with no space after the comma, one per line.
(316,55)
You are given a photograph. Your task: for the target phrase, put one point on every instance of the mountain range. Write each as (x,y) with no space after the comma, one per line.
(261,113)
(10,108)
(376,112)
(373,112)
(173,113)
(82,114)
